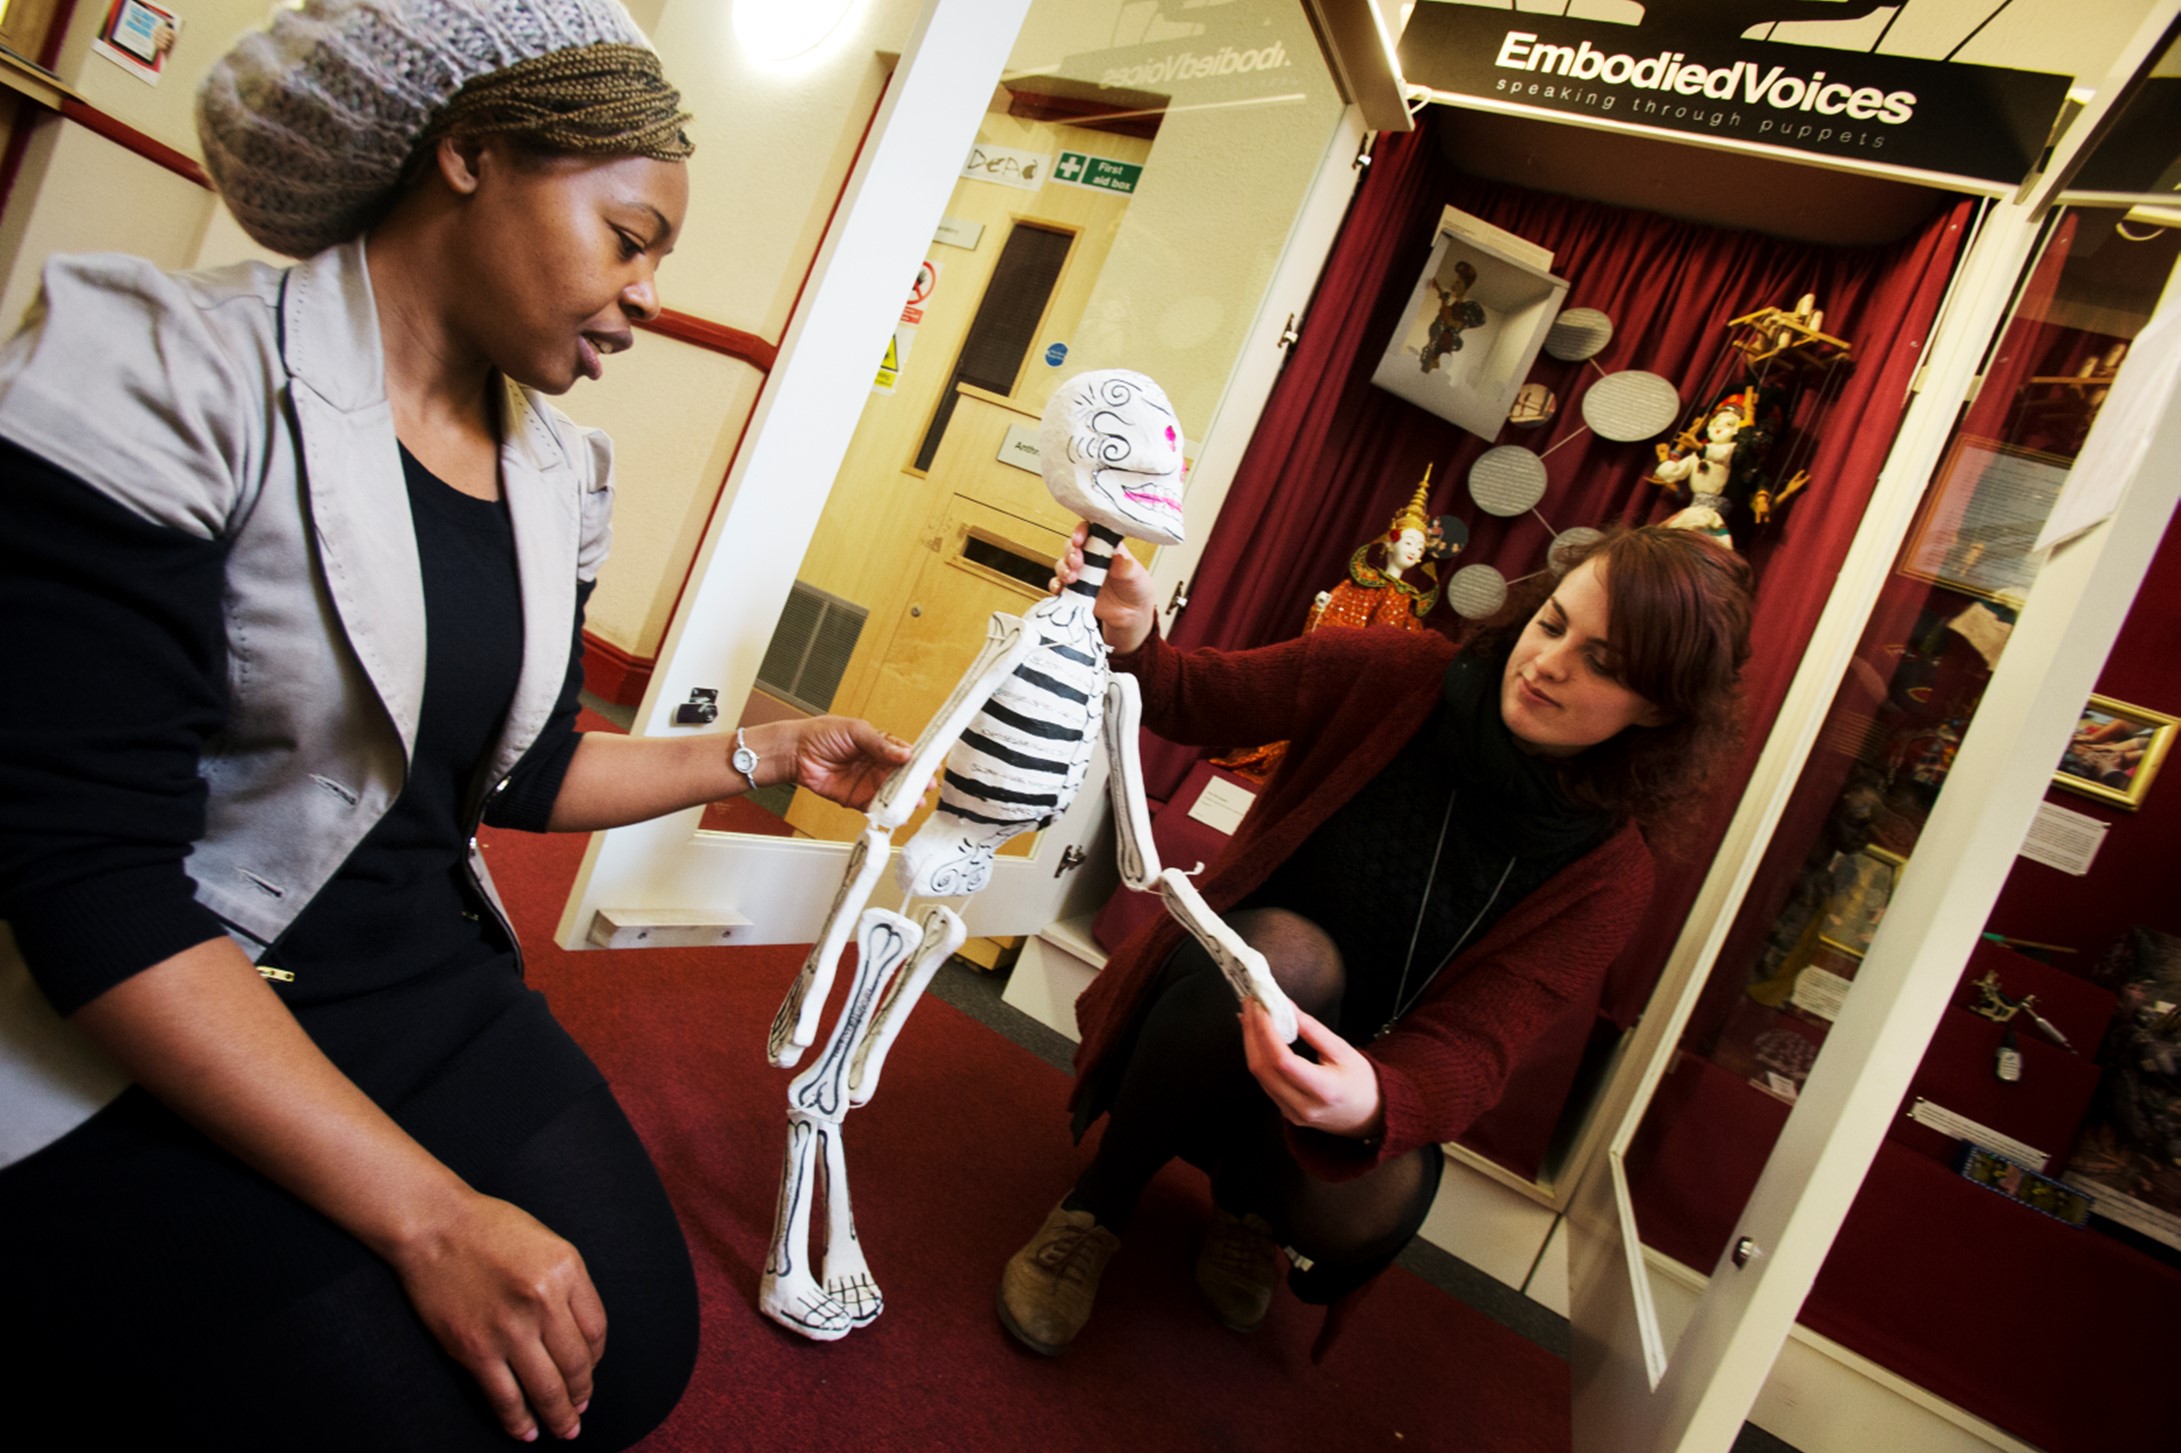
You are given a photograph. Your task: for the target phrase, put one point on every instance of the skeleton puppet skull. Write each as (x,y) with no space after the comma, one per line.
(1110,449)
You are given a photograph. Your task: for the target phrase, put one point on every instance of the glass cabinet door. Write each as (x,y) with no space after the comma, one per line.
(1108,185)
(1803,1066)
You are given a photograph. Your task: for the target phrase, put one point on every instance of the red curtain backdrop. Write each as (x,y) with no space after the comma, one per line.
(1333,457)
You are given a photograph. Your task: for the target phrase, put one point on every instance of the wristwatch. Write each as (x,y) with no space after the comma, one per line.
(744,760)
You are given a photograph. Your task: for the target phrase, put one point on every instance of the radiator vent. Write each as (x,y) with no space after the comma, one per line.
(810,648)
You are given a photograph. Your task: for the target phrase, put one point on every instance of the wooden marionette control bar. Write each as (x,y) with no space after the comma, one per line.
(1776,333)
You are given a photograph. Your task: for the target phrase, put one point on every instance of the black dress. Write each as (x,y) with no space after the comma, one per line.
(172,1293)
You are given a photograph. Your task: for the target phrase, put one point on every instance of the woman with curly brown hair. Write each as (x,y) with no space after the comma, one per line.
(1451,855)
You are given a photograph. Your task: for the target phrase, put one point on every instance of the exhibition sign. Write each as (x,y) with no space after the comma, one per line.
(1979,122)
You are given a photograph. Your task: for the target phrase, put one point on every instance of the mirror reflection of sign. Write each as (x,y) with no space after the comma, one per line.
(1019,448)
(927,278)
(1007,166)
(1099,173)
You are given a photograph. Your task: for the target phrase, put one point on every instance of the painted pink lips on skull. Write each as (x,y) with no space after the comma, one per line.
(1154,499)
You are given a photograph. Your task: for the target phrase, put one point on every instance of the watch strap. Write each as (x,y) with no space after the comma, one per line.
(744,759)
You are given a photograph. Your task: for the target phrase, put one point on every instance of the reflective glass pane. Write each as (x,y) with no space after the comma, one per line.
(1850,834)
(1133,184)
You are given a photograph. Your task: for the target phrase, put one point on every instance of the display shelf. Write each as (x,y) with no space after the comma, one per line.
(2059,1335)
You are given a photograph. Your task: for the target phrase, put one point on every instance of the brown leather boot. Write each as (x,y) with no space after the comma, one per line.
(1046,1291)
(1238,1269)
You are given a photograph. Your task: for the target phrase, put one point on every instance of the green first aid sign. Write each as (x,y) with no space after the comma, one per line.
(1102,173)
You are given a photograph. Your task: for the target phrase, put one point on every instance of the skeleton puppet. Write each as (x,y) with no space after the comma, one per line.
(1017,737)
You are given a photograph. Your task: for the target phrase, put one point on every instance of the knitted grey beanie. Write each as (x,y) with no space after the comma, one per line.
(306,125)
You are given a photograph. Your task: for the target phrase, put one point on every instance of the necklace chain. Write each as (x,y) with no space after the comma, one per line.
(1402,1001)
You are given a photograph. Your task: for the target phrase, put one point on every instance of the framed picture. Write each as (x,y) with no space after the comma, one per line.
(1982,516)
(138,37)
(1862,886)
(2115,752)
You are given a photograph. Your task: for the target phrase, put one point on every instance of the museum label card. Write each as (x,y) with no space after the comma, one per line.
(1961,1127)
(1222,805)
(1820,992)
(2064,839)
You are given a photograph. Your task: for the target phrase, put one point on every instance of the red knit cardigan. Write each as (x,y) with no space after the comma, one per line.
(1347,701)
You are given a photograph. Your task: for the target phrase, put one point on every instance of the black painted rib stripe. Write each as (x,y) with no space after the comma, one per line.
(990,793)
(955,809)
(1106,535)
(1060,689)
(1070,653)
(1049,731)
(1083,587)
(1010,756)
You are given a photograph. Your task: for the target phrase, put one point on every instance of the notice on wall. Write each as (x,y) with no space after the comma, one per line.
(138,38)
(897,354)
(1007,166)
(912,316)
(955,232)
(2064,839)
(1020,448)
(1099,173)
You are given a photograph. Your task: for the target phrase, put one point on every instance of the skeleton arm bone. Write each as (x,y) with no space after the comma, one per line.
(1247,972)
(1139,856)
(1007,644)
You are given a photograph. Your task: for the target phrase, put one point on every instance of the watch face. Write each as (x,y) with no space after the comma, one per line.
(745,760)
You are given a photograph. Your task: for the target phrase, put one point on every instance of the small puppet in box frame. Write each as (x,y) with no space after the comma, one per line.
(1723,467)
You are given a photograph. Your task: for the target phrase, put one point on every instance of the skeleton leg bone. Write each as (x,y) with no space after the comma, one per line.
(944,932)
(847,1277)
(789,1293)
(795,1025)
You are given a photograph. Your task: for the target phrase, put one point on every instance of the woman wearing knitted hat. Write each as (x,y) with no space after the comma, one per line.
(292,1158)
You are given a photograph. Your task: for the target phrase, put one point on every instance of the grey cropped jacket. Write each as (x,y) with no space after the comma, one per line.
(248,404)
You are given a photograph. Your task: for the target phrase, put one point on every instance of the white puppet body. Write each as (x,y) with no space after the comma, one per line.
(1019,763)
(1016,737)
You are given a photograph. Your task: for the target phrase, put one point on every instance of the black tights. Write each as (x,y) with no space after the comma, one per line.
(1187,1091)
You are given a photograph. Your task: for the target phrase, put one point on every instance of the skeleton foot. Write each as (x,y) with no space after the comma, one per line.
(787,1292)
(798,1304)
(847,1278)
(1246,970)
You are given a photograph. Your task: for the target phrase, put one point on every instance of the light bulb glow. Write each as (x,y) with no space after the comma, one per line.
(773,32)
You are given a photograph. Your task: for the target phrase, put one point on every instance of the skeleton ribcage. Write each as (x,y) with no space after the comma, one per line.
(1021,759)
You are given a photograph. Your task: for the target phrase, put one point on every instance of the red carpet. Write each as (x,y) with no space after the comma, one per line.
(953,1165)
